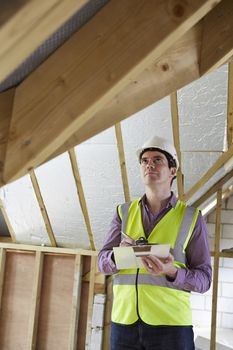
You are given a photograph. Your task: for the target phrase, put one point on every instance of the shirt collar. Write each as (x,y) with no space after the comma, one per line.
(172,201)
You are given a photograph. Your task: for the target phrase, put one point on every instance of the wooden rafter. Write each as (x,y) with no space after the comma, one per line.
(9,9)
(7,221)
(81,196)
(165,75)
(216,270)
(121,153)
(160,79)
(71,86)
(217,41)
(43,210)
(40,20)
(176,137)
(211,172)
(213,189)
(6,106)
(2,271)
(230,105)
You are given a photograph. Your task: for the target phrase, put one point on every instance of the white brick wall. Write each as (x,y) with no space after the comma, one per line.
(202,304)
(97,322)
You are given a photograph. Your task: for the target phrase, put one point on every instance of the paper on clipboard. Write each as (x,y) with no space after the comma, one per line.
(130,257)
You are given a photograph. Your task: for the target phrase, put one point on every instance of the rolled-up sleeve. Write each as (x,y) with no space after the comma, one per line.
(198,274)
(106,262)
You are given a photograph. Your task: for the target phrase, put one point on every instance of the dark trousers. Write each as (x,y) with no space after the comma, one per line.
(140,336)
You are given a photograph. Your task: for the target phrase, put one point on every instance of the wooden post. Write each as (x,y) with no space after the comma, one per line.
(75,303)
(107,316)
(230,105)
(33,320)
(216,268)
(2,271)
(90,302)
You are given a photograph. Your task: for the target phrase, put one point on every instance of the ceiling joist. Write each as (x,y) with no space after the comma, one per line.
(65,92)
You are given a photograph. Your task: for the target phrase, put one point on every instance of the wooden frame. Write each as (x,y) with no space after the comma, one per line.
(51,307)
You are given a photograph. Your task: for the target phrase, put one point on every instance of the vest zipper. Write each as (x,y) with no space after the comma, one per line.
(136,287)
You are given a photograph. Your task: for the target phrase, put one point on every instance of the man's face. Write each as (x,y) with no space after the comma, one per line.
(154,169)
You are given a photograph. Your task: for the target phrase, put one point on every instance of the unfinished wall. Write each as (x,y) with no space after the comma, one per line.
(202,304)
(46,298)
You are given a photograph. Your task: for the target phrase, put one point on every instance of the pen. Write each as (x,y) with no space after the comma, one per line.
(126,236)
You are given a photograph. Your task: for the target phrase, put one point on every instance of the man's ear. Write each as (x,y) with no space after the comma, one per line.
(173,171)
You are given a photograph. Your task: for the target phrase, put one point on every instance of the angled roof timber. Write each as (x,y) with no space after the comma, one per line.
(88,71)
(6,105)
(176,137)
(222,160)
(40,20)
(177,67)
(121,154)
(217,41)
(82,200)
(213,189)
(43,209)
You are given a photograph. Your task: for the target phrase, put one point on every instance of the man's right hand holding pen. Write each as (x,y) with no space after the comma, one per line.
(126,240)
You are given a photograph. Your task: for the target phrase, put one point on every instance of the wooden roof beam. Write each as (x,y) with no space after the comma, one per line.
(30,24)
(186,60)
(6,106)
(88,71)
(217,40)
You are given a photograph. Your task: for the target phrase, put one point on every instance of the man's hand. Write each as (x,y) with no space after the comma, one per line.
(155,266)
(126,242)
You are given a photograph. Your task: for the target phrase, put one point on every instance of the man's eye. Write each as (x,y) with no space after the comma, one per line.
(158,160)
(144,161)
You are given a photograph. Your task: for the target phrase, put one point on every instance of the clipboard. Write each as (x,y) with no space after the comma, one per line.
(130,257)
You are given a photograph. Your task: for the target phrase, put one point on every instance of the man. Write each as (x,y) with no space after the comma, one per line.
(151,308)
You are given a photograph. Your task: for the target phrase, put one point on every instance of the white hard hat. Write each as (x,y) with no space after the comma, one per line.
(161,144)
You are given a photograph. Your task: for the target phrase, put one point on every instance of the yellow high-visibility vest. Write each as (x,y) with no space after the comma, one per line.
(138,294)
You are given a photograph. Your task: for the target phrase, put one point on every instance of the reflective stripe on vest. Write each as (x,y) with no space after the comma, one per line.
(130,279)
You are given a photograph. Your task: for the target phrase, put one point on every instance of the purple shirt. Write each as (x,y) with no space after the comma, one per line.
(196,277)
